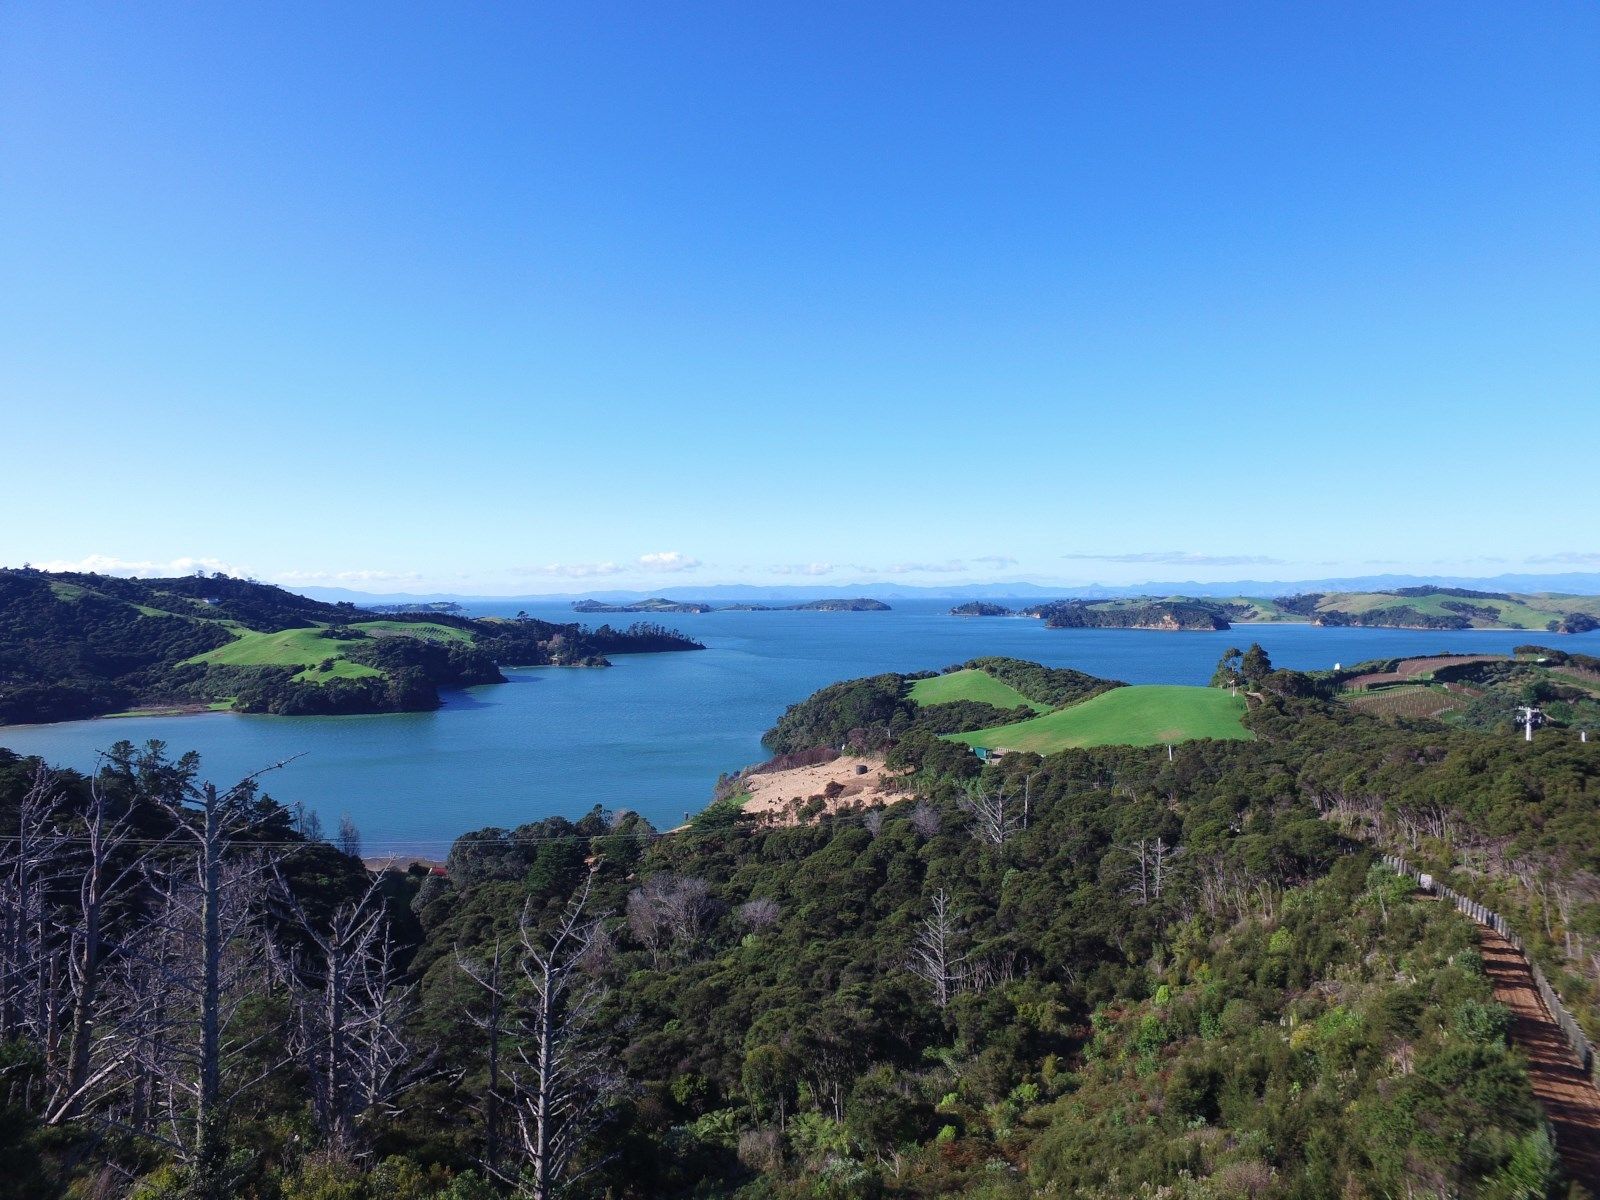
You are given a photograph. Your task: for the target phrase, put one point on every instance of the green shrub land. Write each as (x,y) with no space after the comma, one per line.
(1104,972)
(81,645)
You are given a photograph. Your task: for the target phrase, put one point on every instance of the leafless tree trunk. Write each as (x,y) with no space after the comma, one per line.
(995,816)
(1151,864)
(28,941)
(488,974)
(210,910)
(351,1008)
(933,956)
(925,819)
(96,934)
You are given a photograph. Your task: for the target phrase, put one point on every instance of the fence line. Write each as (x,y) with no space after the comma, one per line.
(1577,1041)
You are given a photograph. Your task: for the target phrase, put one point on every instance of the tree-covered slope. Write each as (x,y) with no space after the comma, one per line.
(78,645)
(1102,973)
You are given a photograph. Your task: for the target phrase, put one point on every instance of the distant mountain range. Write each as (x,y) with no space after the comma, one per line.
(1576,583)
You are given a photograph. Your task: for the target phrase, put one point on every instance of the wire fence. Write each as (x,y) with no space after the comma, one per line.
(1582,1049)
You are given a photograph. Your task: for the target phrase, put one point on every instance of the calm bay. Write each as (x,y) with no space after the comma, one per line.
(652,733)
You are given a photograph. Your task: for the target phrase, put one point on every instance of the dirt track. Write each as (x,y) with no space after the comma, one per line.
(1568,1096)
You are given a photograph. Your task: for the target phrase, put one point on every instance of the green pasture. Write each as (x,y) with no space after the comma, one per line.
(971,684)
(1145,715)
(1514,614)
(307,649)
(434,633)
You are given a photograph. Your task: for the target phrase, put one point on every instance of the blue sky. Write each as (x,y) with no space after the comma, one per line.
(517,298)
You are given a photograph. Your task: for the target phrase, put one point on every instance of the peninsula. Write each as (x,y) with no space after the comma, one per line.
(76,645)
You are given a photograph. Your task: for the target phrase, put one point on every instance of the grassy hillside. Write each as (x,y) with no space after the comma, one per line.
(1144,715)
(310,648)
(969,683)
(1534,612)
(81,645)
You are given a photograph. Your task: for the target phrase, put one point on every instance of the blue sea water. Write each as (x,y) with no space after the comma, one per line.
(652,733)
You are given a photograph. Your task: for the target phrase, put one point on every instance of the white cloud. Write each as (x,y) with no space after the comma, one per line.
(668,560)
(953,566)
(106,564)
(1182,558)
(571,570)
(996,560)
(816,568)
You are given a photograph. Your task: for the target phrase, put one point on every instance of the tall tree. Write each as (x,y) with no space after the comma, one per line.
(211,903)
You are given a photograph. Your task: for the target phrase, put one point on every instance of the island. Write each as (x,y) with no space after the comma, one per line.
(980,608)
(417,606)
(656,604)
(1425,607)
(660,604)
(859,604)
(1138,613)
(76,645)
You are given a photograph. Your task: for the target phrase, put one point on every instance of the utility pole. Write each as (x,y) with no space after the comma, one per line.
(1529,717)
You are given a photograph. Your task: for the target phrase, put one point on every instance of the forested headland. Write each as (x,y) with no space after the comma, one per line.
(1111,971)
(83,645)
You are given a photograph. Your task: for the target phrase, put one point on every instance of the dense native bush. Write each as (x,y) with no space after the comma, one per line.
(1174,973)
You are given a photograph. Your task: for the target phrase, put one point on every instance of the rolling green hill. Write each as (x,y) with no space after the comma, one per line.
(1142,715)
(318,656)
(970,683)
(1455,608)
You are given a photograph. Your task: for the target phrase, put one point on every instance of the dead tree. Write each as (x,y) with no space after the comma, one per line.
(995,816)
(1151,862)
(211,902)
(760,913)
(934,958)
(349,837)
(494,1022)
(668,913)
(96,931)
(562,1080)
(29,944)
(350,1009)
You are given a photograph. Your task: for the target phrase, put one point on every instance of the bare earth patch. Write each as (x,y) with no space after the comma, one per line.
(846,782)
